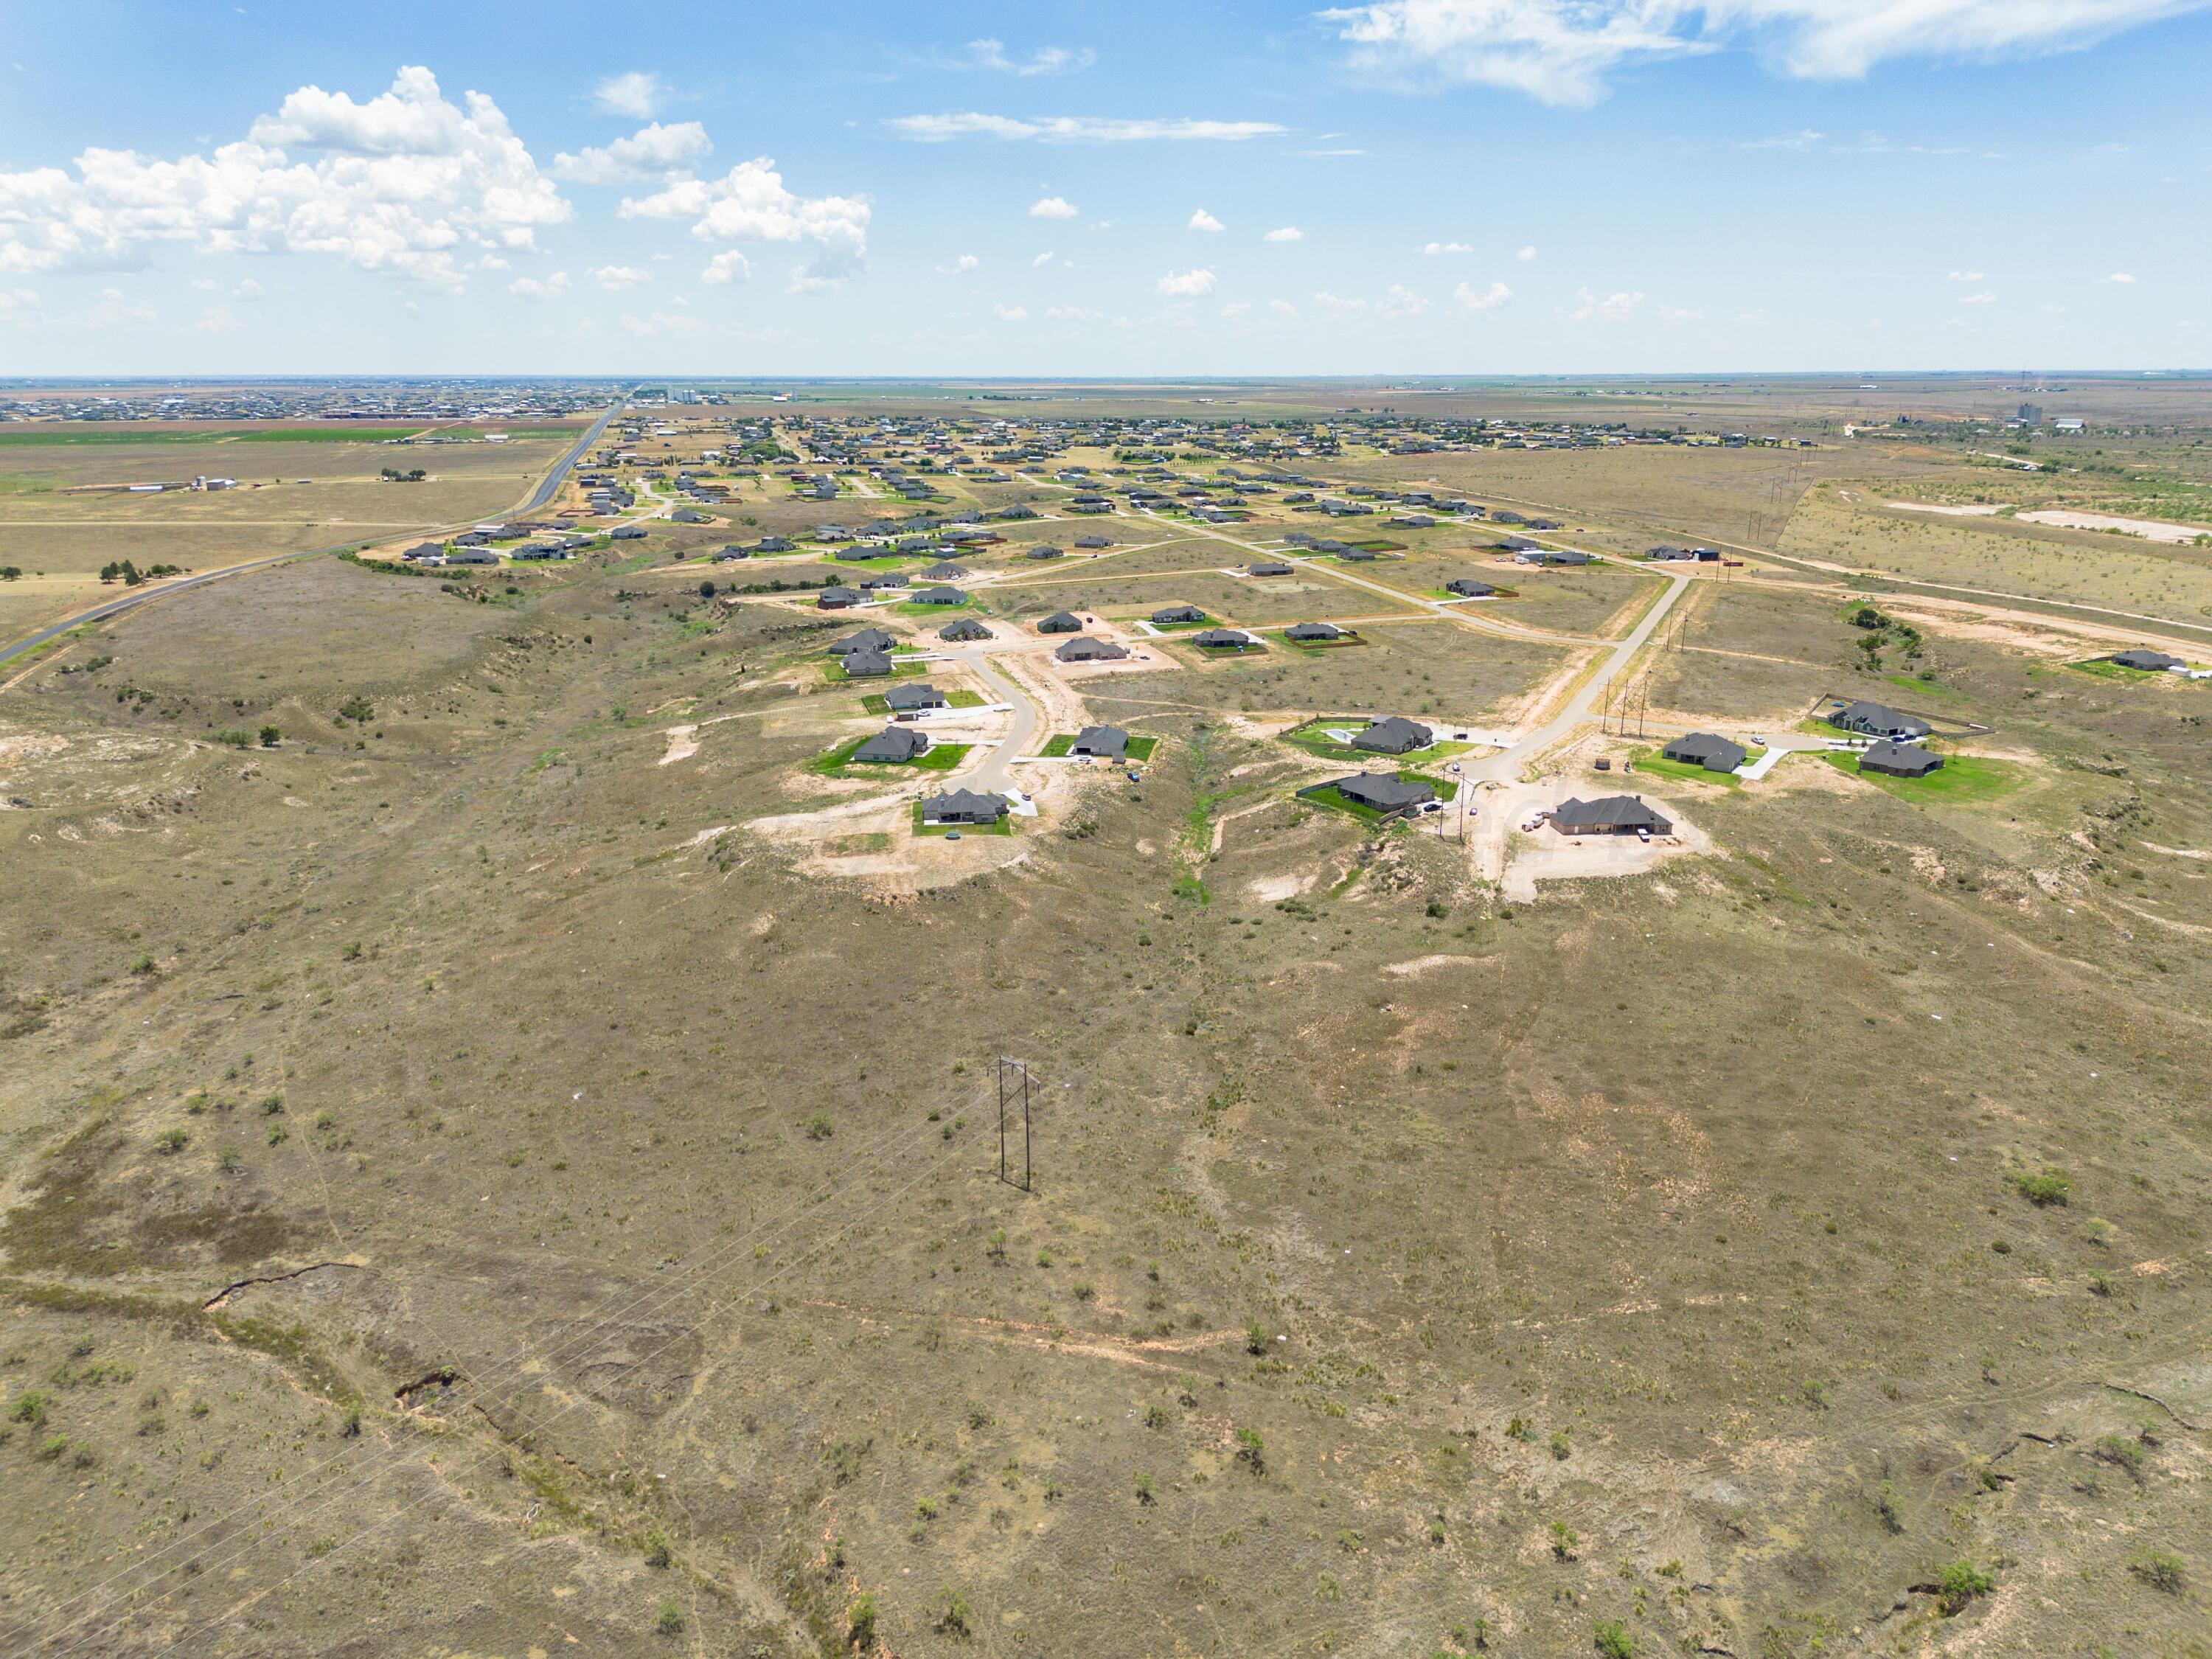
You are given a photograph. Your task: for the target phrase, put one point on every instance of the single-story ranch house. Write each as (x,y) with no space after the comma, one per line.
(1083,648)
(1062,621)
(1612,815)
(966,629)
(1167,615)
(866,665)
(907,699)
(1706,749)
(893,742)
(1108,742)
(1873,720)
(1224,638)
(1899,760)
(1313,630)
(963,806)
(2156,662)
(1395,735)
(1467,588)
(1383,791)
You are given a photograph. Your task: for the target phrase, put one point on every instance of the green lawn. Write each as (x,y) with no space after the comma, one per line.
(1351,637)
(1926,688)
(834,672)
(1311,738)
(876,703)
(1380,544)
(1005,826)
(941,757)
(1328,797)
(908,607)
(2113,670)
(1173,628)
(1140,749)
(1964,779)
(1650,760)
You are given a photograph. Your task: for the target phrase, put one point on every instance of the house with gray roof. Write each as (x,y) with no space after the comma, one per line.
(1224,638)
(1706,749)
(912,699)
(1062,621)
(836,599)
(966,629)
(1383,791)
(1106,742)
(866,665)
(1393,735)
(1875,720)
(1900,760)
(1467,588)
(1310,632)
(1168,615)
(1083,648)
(940,596)
(866,638)
(1270,567)
(2156,662)
(963,806)
(894,744)
(1610,815)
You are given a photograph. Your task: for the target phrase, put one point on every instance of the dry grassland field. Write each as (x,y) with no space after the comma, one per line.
(65,509)
(499,1111)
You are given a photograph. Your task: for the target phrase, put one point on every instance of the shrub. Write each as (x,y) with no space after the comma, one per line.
(954,1616)
(819,1127)
(1961,1583)
(1252,1450)
(349,1424)
(2122,1453)
(2043,1190)
(671,1621)
(860,1623)
(270,737)
(1155,1417)
(1610,1638)
(659,1550)
(30,1406)
(1145,1494)
(1256,1338)
(2160,1571)
(171,1141)
(1563,1540)
(1562,1446)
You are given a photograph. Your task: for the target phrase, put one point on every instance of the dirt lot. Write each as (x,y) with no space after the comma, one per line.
(468,1188)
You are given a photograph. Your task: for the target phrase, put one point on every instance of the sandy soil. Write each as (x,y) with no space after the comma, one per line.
(2151,530)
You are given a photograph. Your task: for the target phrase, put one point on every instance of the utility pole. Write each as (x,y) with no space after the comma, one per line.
(1011,1071)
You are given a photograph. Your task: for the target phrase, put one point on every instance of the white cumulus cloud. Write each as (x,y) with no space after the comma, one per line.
(2120,276)
(1613,308)
(751,204)
(1052,207)
(1468,297)
(1074,129)
(1334,302)
(398,183)
(532,288)
(725,267)
(1528,252)
(1041,260)
(650,149)
(1401,302)
(1981,299)
(1186,285)
(1432,249)
(1006,313)
(1202,220)
(1565,51)
(965,262)
(1285,234)
(1966,277)
(638,94)
(614,278)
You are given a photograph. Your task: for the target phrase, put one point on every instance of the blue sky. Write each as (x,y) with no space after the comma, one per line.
(1433,186)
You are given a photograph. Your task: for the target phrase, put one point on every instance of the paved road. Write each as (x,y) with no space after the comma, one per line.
(1505,767)
(996,773)
(539,497)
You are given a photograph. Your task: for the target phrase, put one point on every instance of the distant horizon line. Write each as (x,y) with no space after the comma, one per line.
(1636,377)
